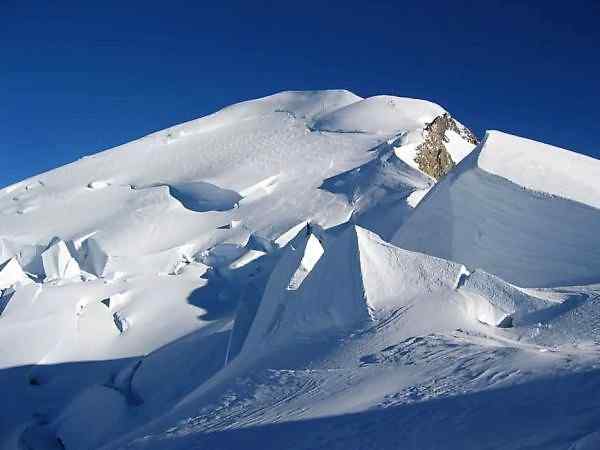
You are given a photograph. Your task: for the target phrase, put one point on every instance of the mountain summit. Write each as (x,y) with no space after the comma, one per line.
(306,270)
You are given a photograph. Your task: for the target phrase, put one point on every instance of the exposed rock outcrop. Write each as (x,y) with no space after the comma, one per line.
(433,157)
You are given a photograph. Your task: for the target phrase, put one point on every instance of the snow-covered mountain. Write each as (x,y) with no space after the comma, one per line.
(306,270)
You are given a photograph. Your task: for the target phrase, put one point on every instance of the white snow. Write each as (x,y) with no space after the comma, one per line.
(89,419)
(415,198)
(492,301)
(299,302)
(228,283)
(380,280)
(94,258)
(59,262)
(382,114)
(479,216)
(541,167)
(312,253)
(406,148)
(12,274)
(457,147)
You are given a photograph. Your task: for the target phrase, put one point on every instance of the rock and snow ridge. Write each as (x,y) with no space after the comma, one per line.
(443,146)
(522,210)
(229,282)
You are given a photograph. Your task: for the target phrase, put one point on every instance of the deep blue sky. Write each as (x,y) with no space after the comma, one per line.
(76,79)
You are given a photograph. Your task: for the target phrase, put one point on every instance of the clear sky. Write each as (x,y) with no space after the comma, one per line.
(76,79)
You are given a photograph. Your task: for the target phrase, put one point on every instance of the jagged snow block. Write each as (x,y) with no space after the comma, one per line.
(28,256)
(94,258)
(313,291)
(59,263)
(256,242)
(312,253)
(12,274)
(289,235)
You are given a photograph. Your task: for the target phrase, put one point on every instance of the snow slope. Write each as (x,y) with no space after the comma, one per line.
(227,283)
(338,364)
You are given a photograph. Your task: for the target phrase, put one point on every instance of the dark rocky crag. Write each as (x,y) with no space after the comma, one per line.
(432,156)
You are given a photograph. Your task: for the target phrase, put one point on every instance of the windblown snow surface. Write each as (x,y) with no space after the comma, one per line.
(275,276)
